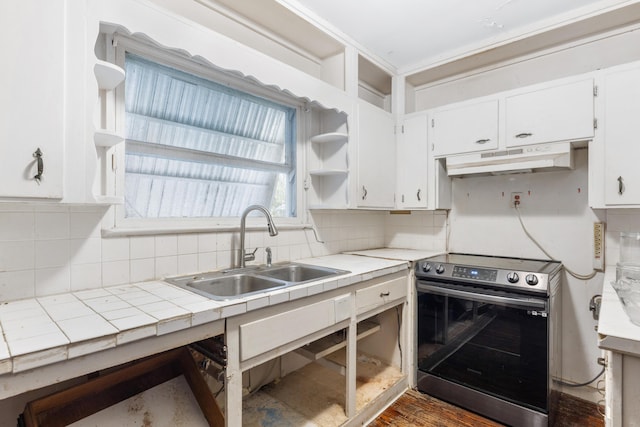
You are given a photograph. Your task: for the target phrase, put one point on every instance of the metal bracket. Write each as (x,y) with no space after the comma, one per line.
(594,306)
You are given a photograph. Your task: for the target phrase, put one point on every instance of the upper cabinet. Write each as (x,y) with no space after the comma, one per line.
(412,154)
(562,112)
(465,128)
(32,101)
(621,128)
(376,157)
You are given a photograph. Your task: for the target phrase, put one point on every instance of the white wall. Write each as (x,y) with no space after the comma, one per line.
(555,211)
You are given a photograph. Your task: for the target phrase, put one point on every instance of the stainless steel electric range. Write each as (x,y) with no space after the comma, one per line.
(489,335)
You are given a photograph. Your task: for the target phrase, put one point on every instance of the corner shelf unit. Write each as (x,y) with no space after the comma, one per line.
(328,161)
(108,76)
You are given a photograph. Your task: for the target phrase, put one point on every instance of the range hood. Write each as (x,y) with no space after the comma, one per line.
(532,158)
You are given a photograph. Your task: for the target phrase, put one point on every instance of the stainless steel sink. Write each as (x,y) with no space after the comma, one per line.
(299,273)
(238,283)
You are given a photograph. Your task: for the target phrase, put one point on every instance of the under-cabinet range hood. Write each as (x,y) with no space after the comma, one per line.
(532,158)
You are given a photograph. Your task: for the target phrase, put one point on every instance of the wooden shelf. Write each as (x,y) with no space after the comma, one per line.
(334,342)
(105,138)
(108,75)
(330,137)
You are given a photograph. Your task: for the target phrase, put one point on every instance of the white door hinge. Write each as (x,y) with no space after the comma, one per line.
(114,162)
(433,123)
(595,123)
(595,90)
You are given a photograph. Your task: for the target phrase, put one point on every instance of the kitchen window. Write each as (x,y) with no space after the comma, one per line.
(201,143)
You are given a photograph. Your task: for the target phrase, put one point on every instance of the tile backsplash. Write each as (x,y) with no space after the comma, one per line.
(47,250)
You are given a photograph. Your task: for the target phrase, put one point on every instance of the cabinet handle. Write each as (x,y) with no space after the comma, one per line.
(364,192)
(38,155)
(620,186)
(524,135)
(418,194)
(384,294)
(483,141)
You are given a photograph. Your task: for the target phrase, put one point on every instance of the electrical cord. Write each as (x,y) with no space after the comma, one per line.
(581,384)
(399,334)
(567,269)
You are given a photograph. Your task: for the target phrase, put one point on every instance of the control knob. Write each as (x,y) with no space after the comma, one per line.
(426,267)
(440,269)
(531,279)
(513,277)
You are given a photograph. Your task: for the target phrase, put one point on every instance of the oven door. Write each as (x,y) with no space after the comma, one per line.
(489,341)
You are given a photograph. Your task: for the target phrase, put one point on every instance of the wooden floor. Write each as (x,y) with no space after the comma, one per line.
(419,410)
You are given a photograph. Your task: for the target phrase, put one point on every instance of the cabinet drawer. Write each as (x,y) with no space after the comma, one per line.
(377,295)
(271,332)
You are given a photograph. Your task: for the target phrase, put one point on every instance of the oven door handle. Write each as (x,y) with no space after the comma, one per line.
(523,302)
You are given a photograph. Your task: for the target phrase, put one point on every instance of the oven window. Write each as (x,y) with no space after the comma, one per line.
(494,349)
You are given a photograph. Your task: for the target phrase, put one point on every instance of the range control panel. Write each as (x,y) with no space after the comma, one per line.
(484,274)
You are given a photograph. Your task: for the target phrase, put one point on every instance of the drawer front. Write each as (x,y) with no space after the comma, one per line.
(377,295)
(271,332)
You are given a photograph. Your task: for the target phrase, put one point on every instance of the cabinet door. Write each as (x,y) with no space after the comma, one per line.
(465,129)
(560,113)
(376,157)
(621,130)
(412,164)
(32,101)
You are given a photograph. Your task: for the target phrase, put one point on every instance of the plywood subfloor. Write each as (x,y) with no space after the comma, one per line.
(414,409)
(169,404)
(314,395)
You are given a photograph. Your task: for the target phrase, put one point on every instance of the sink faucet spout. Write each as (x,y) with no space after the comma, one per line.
(271,226)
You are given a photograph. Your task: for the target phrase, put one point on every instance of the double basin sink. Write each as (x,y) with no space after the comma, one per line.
(238,283)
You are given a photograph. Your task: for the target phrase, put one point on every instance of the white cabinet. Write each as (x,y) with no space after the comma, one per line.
(620,135)
(465,128)
(563,112)
(376,157)
(32,101)
(412,163)
(315,341)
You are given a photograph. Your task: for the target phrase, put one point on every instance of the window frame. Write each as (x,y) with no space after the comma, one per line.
(117,45)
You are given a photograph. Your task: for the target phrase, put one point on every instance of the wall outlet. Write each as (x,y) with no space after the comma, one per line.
(516,200)
(598,246)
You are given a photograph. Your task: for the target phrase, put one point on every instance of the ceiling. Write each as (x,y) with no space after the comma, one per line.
(415,34)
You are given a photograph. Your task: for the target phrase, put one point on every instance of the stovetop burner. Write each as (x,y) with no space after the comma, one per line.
(518,274)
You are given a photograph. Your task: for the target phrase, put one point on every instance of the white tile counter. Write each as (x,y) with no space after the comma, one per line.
(42,337)
(615,331)
(410,255)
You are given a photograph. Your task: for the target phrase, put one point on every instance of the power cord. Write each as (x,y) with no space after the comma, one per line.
(572,273)
(581,384)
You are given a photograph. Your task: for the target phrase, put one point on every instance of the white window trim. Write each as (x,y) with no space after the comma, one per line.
(119,225)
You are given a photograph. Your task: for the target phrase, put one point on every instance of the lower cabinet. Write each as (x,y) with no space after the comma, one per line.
(622,390)
(330,359)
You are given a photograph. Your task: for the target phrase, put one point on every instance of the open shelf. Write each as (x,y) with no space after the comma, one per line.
(108,75)
(106,138)
(330,137)
(334,342)
(328,172)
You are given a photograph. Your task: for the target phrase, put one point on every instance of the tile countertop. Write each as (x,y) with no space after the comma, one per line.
(615,331)
(410,255)
(42,331)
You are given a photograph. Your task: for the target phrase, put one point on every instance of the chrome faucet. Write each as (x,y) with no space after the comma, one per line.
(273,231)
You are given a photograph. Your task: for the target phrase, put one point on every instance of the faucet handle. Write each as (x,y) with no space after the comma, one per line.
(250,256)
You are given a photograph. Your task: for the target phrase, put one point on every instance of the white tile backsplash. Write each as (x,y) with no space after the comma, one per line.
(49,250)
(17,255)
(51,253)
(50,225)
